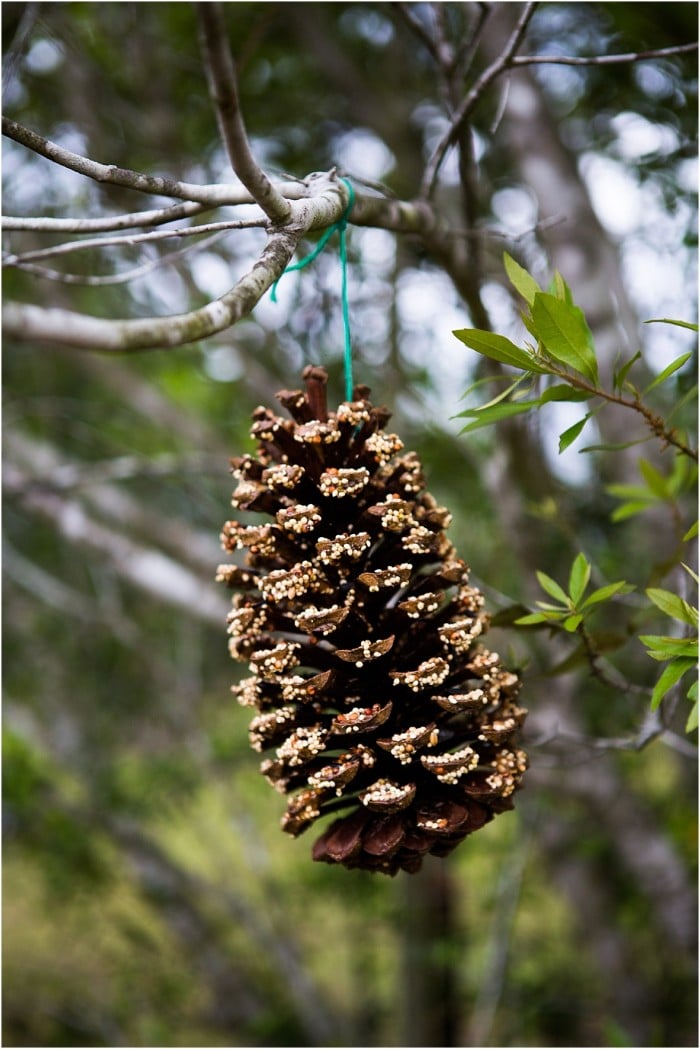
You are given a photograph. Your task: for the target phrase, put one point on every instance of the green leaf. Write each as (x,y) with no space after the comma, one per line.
(667,372)
(561,290)
(569,436)
(533,618)
(497,348)
(486,380)
(663,648)
(578,578)
(488,416)
(630,491)
(571,623)
(691,533)
(629,510)
(504,393)
(619,377)
(656,482)
(565,334)
(693,575)
(563,392)
(673,605)
(551,587)
(667,320)
(605,592)
(615,447)
(521,280)
(692,722)
(669,676)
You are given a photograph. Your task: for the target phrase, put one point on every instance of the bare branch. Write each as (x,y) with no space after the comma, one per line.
(107,224)
(63,327)
(131,239)
(223,88)
(93,280)
(503,62)
(159,185)
(603,60)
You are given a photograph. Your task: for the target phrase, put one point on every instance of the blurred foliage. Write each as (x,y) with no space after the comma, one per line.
(150,898)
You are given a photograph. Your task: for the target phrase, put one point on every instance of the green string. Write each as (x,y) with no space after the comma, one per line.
(340,226)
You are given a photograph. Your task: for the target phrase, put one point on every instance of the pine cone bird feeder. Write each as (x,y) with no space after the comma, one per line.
(375,699)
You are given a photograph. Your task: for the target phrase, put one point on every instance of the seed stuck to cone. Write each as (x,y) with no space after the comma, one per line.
(375,699)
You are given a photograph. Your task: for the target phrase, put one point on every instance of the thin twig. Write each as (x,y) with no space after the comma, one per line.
(653,421)
(223,88)
(80,331)
(107,224)
(603,60)
(125,276)
(133,238)
(321,209)
(472,97)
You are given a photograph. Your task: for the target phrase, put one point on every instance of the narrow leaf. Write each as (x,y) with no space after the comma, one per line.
(656,482)
(669,676)
(551,587)
(673,605)
(629,491)
(561,290)
(486,380)
(570,435)
(628,510)
(691,533)
(563,392)
(578,578)
(619,377)
(532,619)
(667,372)
(504,393)
(615,447)
(605,592)
(667,320)
(494,414)
(693,575)
(497,348)
(663,648)
(571,623)
(565,334)
(521,280)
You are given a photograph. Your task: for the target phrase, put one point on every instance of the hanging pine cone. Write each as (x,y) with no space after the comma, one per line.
(374,698)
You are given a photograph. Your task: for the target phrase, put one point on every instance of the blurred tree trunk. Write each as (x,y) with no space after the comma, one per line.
(429,1007)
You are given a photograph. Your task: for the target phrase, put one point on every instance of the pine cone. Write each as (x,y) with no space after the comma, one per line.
(360,628)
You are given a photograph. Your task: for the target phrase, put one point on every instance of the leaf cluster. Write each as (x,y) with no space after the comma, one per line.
(561,365)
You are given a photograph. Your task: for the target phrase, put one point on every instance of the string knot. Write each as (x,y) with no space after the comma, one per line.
(339,227)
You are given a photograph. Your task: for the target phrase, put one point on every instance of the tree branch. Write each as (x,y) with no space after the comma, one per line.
(160,185)
(63,327)
(130,239)
(107,224)
(503,62)
(223,89)
(603,60)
